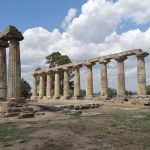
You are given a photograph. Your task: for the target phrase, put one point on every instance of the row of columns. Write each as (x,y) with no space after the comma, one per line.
(10,81)
(141,79)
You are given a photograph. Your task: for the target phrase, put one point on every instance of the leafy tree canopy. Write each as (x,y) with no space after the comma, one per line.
(25,88)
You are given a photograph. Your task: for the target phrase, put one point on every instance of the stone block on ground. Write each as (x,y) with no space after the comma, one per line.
(26,115)
(11,114)
(75,112)
(66,111)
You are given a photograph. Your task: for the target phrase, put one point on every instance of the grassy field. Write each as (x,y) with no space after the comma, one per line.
(114,128)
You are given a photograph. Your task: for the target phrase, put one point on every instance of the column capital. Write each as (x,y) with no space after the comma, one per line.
(120,58)
(57,70)
(104,61)
(11,33)
(78,66)
(42,73)
(89,64)
(35,74)
(142,54)
(48,71)
(3,44)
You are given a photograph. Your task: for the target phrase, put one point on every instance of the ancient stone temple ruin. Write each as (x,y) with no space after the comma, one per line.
(10,78)
(103,61)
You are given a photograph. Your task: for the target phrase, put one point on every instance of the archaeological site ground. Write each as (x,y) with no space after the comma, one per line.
(51,120)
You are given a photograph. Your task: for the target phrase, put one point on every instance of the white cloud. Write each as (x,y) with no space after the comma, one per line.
(91,34)
(70,16)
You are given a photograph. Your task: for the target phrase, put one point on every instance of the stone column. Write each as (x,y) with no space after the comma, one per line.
(76,82)
(57,85)
(34,94)
(12,35)
(141,75)
(66,90)
(41,85)
(48,85)
(89,81)
(121,75)
(104,79)
(3,70)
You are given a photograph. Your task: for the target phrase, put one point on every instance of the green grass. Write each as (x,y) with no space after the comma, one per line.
(9,132)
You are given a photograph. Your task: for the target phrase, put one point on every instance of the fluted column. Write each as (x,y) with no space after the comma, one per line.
(76,82)
(41,85)
(66,90)
(3,70)
(141,74)
(104,78)
(48,85)
(12,35)
(57,85)
(121,75)
(89,80)
(34,94)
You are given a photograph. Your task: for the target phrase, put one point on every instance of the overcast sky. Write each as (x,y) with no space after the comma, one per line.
(81,29)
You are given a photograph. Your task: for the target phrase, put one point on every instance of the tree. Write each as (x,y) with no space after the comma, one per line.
(148,90)
(112,92)
(25,88)
(55,59)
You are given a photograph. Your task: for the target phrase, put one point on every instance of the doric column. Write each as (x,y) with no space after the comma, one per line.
(121,75)
(77,81)
(89,80)
(48,84)
(66,90)
(104,79)
(34,92)
(57,84)
(12,35)
(3,70)
(141,75)
(41,84)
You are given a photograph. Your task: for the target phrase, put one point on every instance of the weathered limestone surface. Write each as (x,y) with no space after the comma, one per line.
(34,92)
(66,84)
(3,70)
(89,80)
(121,75)
(57,85)
(12,35)
(76,81)
(104,79)
(48,85)
(103,60)
(41,92)
(141,75)
(94,60)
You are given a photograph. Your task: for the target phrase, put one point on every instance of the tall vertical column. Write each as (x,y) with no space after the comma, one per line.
(89,80)
(104,79)
(66,90)
(57,85)
(34,92)
(141,74)
(48,85)
(121,75)
(12,35)
(3,70)
(76,82)
(41,84)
